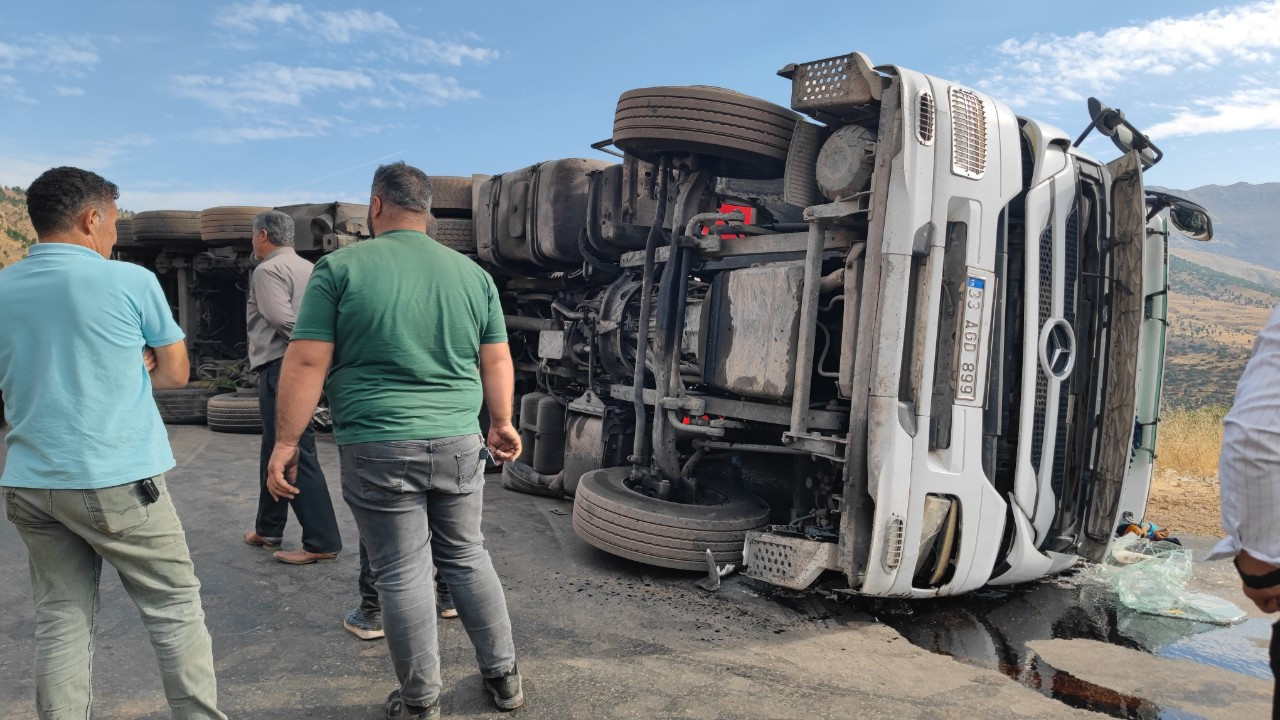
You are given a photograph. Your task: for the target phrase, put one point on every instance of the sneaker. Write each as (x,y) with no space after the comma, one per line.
(444,601)
(398,709)
(506,690)
(365,627)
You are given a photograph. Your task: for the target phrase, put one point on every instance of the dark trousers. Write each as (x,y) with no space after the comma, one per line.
(312,505)
(369,603)
(1275,671)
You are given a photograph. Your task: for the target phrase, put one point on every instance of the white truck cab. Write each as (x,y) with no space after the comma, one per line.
(925,359)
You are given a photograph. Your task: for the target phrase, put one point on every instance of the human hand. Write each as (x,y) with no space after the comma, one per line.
(282,472)
(149,358)
(504,442)
(1267,599)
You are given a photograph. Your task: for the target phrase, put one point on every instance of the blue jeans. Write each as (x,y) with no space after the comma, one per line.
(68,533)
(418,504)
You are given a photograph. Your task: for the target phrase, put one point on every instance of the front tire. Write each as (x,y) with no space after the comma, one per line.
(610,515)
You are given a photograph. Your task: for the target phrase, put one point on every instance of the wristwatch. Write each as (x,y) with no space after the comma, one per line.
(1258,582)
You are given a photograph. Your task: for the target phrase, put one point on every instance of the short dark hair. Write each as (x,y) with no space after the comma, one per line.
(59,196)
(403,186)
(279,227)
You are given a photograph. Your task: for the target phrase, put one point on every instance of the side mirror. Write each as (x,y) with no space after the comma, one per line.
(1111,122)
(1189,218)
(1192,221)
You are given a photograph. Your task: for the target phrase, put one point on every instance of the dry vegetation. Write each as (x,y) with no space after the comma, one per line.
(1184,492)
(16,233)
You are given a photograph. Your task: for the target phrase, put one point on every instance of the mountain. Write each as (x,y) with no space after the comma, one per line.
(16,233)
(1221,292)
(1244,226)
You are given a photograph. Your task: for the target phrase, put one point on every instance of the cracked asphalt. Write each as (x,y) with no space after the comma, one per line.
(596,636)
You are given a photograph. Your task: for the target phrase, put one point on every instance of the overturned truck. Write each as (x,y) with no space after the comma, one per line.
(895,339)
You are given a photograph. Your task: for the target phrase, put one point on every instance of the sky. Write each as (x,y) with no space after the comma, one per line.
(189,105)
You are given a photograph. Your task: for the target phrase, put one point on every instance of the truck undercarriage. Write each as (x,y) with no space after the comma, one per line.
(893,339)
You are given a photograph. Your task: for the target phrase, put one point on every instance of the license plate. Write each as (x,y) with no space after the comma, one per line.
(968,374)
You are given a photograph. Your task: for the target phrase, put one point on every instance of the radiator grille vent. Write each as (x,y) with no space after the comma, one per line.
(1071,271)
(927,118)
(1042,382)
(968,133)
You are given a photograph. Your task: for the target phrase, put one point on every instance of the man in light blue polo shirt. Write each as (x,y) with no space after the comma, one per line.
(83,340)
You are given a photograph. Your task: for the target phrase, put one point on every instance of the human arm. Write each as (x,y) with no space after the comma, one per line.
(1252,569)
(172,369)
(302,374)
(274,300)
(1247,474)
(497,376)
(164,354)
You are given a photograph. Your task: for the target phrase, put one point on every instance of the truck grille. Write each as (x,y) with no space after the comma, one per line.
(1071,251)
(968,133)
(1042,382)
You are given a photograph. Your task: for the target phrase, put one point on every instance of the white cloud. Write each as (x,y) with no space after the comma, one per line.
(339,27)
(11,54)
(426,50)
(1256,108)
(249,17)
(201,198)
(314,127)
(343,27)
(65,91)
(1049,69)
(270,96)
(67,54)
(268,84)
(409,89)
(99,157)
(14,92)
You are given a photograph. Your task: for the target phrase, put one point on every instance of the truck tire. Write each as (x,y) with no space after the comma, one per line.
(124,232)
(747,137)
(236,412)
(183,406)
(228,224)
(451,197)
(159,227)
(456,234)
(611,516)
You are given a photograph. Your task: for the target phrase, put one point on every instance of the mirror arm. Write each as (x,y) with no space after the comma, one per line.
(1086,132)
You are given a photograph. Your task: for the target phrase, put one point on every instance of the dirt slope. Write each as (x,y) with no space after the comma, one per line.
(16,232)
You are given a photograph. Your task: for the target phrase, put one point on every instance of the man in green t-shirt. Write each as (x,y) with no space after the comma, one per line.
(407,337)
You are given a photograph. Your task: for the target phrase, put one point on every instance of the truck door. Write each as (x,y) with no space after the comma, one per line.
(1113,441)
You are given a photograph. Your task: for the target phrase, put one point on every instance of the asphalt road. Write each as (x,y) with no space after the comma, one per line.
(597,636)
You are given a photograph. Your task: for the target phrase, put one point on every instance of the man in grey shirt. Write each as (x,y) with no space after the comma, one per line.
(275,294)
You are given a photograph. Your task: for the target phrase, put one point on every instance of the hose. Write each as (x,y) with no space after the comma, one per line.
(639,456)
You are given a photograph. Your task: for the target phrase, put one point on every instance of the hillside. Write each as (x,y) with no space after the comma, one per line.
(1213,319)
(16,233)
(1243,222)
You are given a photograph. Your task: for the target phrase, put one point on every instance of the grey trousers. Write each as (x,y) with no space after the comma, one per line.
(418,504)
(68,533)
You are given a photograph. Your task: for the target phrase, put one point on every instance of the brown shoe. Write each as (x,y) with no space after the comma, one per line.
(303,557)
(253,538)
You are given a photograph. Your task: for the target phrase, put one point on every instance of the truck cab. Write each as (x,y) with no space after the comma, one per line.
(894,339)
